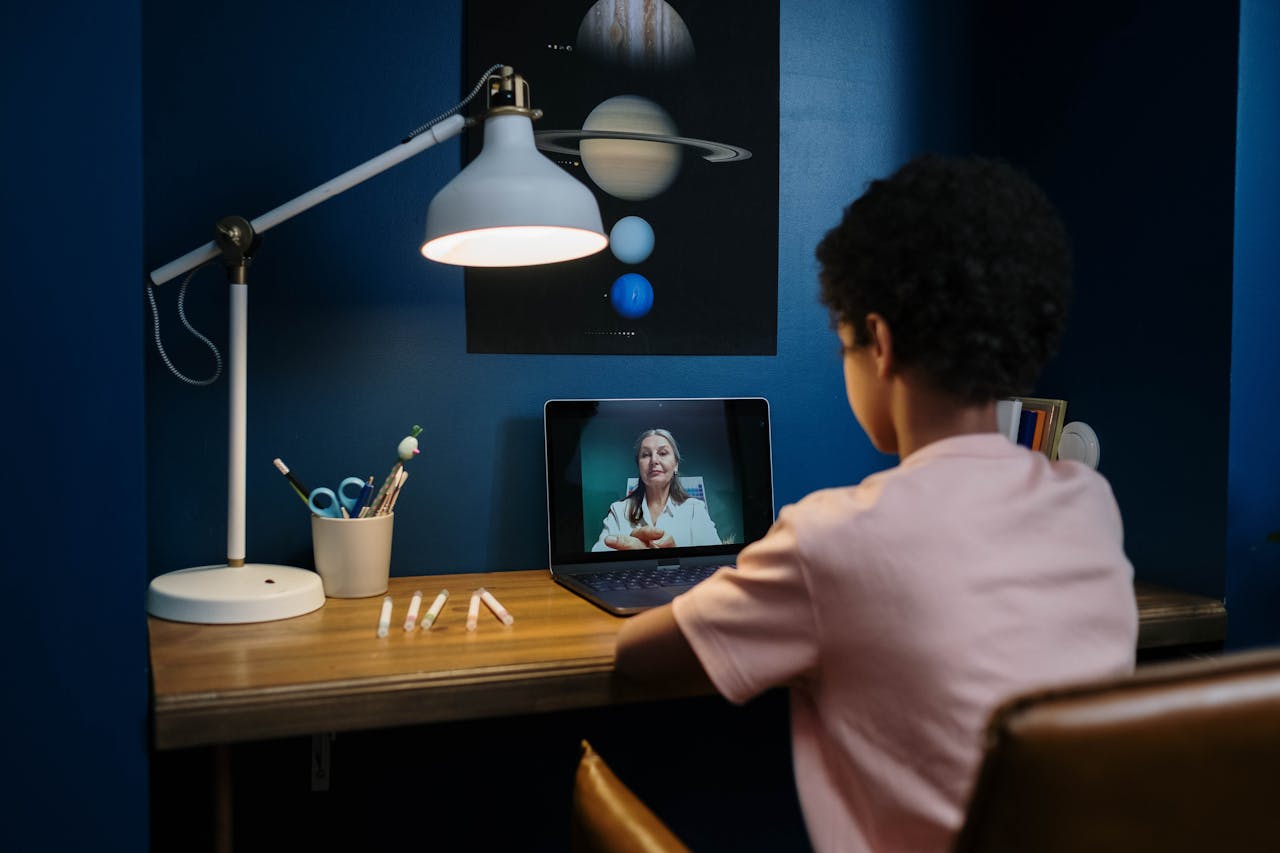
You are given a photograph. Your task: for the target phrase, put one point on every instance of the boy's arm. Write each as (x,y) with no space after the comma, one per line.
(651,648)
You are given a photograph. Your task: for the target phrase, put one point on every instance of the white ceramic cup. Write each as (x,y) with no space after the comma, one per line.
(353,555)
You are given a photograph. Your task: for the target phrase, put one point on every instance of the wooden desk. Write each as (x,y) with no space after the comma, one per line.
(327,671)
(1170,618)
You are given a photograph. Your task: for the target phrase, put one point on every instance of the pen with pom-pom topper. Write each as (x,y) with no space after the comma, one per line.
(406,450)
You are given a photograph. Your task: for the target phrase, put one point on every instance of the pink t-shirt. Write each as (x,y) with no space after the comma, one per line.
(902,610)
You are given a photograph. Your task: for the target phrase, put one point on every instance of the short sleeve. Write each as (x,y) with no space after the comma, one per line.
(753,628)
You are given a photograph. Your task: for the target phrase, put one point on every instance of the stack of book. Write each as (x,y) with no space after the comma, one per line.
(1034,422)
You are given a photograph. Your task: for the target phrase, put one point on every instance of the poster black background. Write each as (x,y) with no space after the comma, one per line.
(714,265)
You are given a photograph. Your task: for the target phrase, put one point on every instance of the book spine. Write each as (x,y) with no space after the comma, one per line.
(1037,438)
(1047,433)
(1026,428)
(1060,418)
(1008,418)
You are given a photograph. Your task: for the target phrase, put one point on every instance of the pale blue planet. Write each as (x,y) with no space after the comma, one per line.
(631,295)
(631,239)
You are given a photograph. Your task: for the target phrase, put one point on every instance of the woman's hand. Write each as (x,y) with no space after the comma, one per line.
(662,540)
(640,539)
(625,543)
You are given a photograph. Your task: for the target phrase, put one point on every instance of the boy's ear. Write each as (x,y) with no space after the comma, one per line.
(881,344)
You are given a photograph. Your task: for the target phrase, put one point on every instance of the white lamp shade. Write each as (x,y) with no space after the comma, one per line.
(511,206)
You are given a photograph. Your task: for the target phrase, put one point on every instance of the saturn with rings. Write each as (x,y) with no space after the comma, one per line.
(630,147)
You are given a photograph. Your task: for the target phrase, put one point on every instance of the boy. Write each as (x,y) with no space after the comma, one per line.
(902,610)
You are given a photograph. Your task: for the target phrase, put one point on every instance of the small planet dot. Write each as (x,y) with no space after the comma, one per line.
(631,239)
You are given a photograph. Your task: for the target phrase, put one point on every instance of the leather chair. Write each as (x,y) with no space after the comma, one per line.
(1181,756)
(609,818)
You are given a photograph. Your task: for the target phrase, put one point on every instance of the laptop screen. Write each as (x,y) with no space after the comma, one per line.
(595,481)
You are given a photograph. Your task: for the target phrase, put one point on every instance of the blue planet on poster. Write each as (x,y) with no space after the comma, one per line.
(631,295)
(631,239)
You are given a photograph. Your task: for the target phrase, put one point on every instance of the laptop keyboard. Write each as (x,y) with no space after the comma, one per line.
(624,579)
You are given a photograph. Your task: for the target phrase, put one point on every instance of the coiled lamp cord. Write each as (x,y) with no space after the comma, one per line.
(182,315)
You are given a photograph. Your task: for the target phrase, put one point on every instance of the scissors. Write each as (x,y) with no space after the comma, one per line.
(335,503)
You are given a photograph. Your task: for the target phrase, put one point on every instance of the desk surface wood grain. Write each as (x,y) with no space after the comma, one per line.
(328,671)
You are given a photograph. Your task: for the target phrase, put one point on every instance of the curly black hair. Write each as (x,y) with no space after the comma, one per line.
(967,261)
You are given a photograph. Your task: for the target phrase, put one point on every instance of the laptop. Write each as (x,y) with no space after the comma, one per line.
(594,489)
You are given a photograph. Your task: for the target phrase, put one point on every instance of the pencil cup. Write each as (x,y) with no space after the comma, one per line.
(353,555)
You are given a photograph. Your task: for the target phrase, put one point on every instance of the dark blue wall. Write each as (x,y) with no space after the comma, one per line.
(75,705)
(1253,503)
(1125,112)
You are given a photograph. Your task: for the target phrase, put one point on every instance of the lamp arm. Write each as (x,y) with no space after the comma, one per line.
(444,130)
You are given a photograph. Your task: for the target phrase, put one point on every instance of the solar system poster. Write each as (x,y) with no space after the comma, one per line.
(687,181)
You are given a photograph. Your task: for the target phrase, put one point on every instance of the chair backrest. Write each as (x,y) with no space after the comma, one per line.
(692,485)
(609,818)
(1182,756)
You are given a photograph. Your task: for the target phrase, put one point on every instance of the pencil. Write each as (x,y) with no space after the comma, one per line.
(394,494)
(293,481)
(376,504)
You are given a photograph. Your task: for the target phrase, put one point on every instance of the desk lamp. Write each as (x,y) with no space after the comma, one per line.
(511,206)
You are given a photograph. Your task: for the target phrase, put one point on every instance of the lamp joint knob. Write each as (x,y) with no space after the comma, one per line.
(235,236)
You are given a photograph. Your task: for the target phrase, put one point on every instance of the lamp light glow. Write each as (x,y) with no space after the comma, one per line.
(514,246)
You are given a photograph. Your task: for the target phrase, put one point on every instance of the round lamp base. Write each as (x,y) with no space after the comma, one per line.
(224,595)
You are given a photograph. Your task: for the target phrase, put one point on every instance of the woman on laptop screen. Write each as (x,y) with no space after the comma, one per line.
(658,512)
